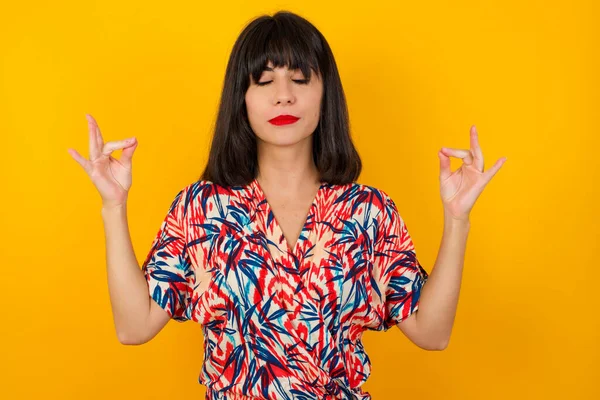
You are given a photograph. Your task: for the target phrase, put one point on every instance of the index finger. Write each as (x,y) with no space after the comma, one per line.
(93,139)
(478,154)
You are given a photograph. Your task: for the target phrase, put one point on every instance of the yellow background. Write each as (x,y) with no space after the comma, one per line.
(417,75)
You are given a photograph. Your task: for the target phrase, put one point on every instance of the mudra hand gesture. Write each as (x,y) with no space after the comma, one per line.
(461,188)
(111,177)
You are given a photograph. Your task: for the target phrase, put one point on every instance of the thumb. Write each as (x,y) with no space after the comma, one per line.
(80,160)
(127,154)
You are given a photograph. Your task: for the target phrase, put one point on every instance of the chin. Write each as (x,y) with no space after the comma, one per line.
(286,141)
(284,138)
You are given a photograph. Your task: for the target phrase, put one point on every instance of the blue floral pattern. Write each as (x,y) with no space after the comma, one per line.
(282,323)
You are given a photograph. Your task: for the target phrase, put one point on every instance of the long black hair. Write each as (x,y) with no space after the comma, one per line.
(285,39)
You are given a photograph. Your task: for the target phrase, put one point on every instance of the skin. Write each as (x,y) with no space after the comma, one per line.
(112,177)
(431,326)
(285,152)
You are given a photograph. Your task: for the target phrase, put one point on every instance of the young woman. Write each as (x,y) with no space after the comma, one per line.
(276,250)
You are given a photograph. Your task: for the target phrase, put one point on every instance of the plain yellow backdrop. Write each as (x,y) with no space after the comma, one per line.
(417,75)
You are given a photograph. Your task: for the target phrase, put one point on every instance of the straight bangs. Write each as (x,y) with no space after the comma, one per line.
(283,45)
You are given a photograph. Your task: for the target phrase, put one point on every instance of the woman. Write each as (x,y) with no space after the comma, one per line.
(276,251)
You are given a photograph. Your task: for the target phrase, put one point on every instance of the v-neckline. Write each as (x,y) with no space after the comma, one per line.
(305,229)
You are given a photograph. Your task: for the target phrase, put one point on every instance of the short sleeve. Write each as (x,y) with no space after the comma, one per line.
(397,275)
(167,268)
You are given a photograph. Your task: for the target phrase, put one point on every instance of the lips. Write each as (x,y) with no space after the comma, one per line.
(284,119)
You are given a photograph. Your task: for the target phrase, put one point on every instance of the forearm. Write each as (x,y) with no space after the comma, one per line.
(127,285)
(439,296)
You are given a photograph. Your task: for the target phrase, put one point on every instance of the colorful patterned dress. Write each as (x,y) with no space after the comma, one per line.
(283,323)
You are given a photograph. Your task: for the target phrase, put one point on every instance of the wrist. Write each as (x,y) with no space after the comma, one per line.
(450,218)
(114,208)
(456,225)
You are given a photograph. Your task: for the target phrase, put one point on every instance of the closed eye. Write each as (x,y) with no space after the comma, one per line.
(299,81)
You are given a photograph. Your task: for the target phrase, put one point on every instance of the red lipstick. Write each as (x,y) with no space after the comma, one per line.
(284,119)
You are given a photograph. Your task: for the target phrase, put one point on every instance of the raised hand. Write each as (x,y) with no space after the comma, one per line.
(461,188)
(111,177)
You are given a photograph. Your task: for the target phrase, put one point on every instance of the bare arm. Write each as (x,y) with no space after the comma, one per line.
(137,317)
(432,323)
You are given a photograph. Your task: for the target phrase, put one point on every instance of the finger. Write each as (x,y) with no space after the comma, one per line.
(489,174)
(476,149)
(112,146)
(81,160)
(128,154)
(466,155)
(444,166)
(94,149)
(99,137)
(97,134)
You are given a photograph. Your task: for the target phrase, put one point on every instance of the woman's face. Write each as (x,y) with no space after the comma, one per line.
(284,92)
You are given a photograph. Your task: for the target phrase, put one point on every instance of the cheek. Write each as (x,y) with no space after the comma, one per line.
(252,108)
(316,106)
(316,99)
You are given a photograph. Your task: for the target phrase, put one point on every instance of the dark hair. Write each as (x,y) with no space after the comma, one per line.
(285,39)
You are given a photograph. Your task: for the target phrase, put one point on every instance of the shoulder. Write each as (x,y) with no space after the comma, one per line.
(384,208)
(359,191)
(366,202)
(204,196)
(204,189)
(375,197)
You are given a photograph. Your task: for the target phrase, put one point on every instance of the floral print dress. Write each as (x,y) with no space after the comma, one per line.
(283,323)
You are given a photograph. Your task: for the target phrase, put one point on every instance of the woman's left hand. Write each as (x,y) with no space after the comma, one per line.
(461,188)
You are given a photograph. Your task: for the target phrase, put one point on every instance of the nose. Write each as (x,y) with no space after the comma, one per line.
(284,92)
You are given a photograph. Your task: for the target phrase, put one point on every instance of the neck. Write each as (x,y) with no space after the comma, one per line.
(287,168)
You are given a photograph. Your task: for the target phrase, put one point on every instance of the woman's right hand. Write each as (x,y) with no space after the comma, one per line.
(111,177)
